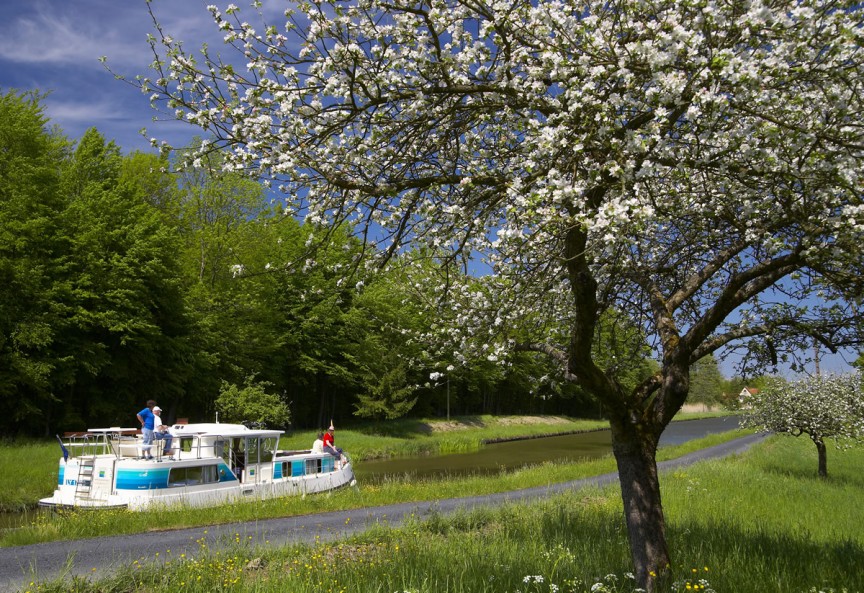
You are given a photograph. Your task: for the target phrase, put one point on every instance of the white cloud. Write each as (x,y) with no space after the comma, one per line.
(71,113)
(47,36)
(54,46)
(61,32)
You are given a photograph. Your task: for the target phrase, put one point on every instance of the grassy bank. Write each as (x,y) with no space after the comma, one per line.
(25,483)
(79,524)
(29,470)
(759,523)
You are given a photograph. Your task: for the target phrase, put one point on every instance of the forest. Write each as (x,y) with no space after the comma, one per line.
(123,280)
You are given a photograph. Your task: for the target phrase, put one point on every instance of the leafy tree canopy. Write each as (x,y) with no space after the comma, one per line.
(252,404)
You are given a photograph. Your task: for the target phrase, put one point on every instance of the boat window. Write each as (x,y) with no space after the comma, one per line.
(186,443)
(238,452)
(298,468)
(252,451)
(327,464)
(268,447)
(313,466)
(192,476)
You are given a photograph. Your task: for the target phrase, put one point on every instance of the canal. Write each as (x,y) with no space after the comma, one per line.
(512,455)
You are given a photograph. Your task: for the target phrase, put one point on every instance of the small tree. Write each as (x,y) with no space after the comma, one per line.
(251,403)
(706,382)
(820,407)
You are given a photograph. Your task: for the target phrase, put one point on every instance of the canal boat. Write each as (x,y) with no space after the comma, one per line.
(209,464)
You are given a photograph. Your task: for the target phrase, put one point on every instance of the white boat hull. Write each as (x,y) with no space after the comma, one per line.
(206,471)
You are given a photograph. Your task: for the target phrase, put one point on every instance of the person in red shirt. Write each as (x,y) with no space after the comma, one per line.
(329,445)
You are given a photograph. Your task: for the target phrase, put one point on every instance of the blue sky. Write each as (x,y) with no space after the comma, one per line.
(54,46)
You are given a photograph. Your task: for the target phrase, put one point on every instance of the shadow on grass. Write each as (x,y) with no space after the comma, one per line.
(743,561)
(809,473)
(739,560)
(582,544)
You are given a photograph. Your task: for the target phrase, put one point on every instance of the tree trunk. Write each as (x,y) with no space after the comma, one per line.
(823,458)
(640,490)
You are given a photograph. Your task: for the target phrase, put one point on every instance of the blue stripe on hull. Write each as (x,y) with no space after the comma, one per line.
(156,478)
(142,479)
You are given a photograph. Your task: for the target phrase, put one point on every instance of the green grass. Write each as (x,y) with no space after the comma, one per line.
(761,522)
(29,470)
(25,483)
(80,524)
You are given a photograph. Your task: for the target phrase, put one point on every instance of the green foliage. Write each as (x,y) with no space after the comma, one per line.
(389,397)
(128,319)
(94,322)
(32,279)
(252,404)
(706,382)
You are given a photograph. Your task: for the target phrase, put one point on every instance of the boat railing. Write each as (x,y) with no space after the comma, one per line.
(127,443)
(195,446)
(86,444)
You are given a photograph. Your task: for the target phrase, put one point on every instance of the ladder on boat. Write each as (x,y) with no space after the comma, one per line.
(84,484)
(90,446)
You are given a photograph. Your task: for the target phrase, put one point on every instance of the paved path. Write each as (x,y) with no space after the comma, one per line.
(21,565)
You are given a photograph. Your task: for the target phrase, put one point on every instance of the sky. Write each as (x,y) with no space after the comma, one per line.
(54,46)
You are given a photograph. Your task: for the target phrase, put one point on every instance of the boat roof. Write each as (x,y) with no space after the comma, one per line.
(225,430)
(201,428)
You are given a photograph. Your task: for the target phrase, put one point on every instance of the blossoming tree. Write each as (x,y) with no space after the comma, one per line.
(821,407)
(688,168)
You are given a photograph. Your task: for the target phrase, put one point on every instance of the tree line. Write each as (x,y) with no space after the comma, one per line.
(122,281)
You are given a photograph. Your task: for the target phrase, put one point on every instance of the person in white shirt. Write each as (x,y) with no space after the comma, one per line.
(318,445)
(162,432)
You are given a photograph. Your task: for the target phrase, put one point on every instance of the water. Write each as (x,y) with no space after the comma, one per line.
(17,519)
(516,454)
